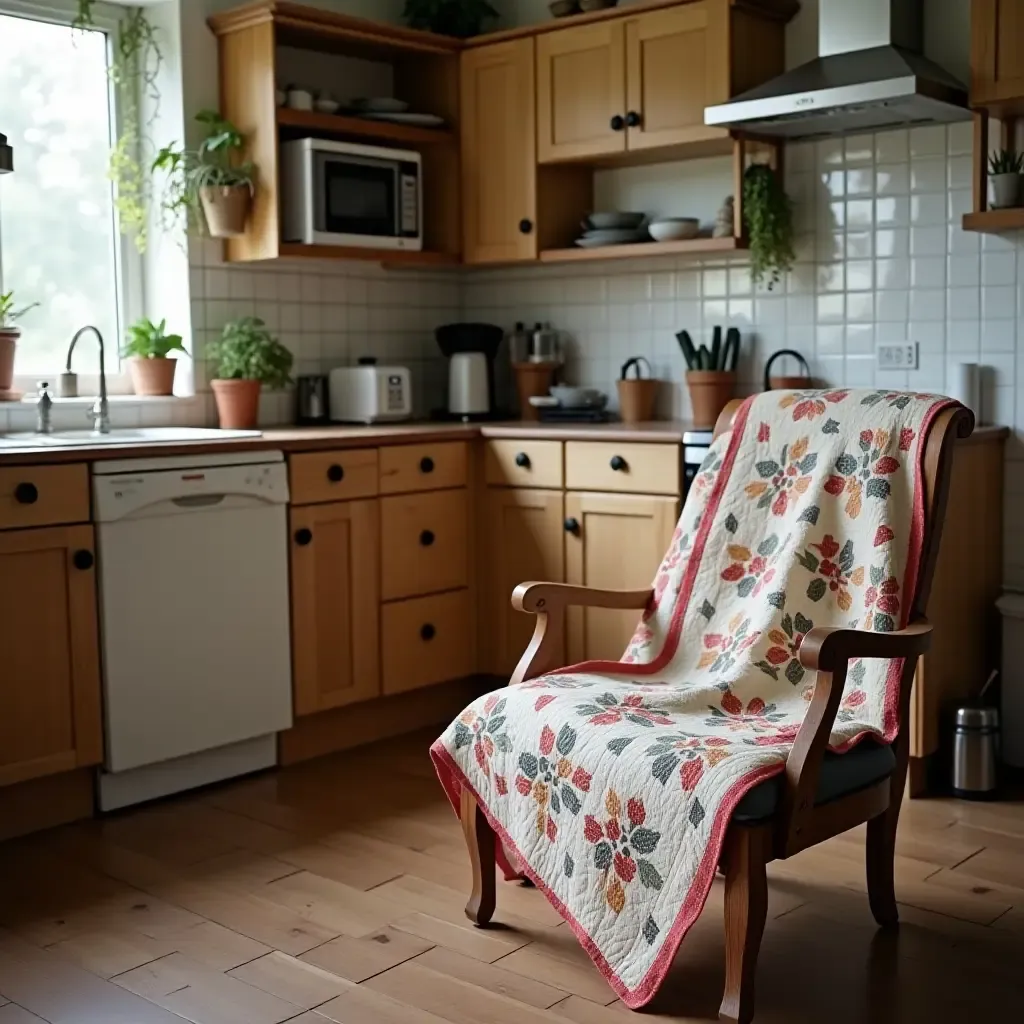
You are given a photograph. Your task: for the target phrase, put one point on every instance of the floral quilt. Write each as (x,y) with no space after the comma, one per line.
(611,784)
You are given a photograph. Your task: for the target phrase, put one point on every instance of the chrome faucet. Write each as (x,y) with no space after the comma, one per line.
(100,412)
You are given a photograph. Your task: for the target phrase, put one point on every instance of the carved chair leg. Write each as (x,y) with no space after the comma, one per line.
(480,841)
(881,856)
(746,908)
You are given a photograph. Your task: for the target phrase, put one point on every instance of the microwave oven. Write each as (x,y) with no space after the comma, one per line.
(341,193)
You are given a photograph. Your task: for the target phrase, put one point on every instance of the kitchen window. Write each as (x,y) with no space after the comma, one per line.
(59,241)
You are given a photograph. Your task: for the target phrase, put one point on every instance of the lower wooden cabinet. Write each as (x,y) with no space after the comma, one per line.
(50,717)
(335,577)
(427,640)
(524,541)
(613,542)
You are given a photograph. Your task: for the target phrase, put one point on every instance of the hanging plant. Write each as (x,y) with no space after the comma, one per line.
(83,15)
(768,220)
(459,18)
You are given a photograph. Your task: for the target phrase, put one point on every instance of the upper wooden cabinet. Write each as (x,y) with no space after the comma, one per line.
(50,697)
(499,153)
(997,55)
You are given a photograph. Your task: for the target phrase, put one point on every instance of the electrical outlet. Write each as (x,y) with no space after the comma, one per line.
(897,357)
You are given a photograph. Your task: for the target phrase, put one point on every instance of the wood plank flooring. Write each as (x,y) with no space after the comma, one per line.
(333,891)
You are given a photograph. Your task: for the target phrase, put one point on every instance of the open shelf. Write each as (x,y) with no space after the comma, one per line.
(392,257)
(995,221)
(341,124)
(690,247)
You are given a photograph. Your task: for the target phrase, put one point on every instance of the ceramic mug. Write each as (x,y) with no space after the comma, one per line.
(300,99)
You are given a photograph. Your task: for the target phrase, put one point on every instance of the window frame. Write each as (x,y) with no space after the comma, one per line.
(128,261)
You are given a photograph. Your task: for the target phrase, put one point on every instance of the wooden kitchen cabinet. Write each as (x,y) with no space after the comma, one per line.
(335,579)
(50,718)
(524,542)
(499,153)
(997,55)
(612,542)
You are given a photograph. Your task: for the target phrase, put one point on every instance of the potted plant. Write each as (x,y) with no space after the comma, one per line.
(147,350)
(711,374)
(768,223)
(245,357)
(460,18)
(1004,171)
(211,178)
(9,334)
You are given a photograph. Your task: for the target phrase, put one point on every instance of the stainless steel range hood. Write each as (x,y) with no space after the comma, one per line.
(6,156)
(870,75)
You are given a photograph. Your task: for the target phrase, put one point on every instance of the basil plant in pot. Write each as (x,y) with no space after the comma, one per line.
(148,349)
(245,357)
(212,178)
(10,332)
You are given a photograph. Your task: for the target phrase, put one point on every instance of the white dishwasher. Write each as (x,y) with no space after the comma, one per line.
(193,576)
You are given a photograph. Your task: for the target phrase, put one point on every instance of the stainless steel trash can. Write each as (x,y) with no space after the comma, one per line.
(976,752)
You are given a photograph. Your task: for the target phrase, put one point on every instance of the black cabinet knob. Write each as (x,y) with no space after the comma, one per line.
(618,463)
(427,538)
(26,494)
(525,226)
(572,525)
(83,560)
(303,537)
(335,474)
(618,123)
(427,632)
(523,460)
(426,464)
(633,119)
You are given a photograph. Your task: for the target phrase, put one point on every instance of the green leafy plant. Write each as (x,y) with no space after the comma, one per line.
(718,358)
(8,314)
(768,220)
(246,350)
(147,340)
(1006,161)
(460,18)
(216,162)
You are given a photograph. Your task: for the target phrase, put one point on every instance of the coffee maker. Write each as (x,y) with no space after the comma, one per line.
(471,350)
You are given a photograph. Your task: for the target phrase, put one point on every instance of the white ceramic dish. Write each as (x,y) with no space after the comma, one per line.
(597,240)
(614,220)
(672,229)
(326,106)
(380,105)
(420,120)
(300,99)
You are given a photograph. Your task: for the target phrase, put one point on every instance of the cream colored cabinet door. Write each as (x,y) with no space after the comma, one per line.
(50,717)
(613,542)
(499,154)
(581,92)
(523,543)
(677,63)
(335,574)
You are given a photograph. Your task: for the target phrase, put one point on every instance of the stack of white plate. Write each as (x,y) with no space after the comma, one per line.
(613,228)
(386,108)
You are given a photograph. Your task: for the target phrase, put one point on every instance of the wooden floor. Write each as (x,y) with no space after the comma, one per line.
(334,892)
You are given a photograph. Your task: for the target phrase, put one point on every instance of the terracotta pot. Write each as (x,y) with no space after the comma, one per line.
(152,376)
(790,383)
(238,403)
(226,209)
(532,380)
(710,392)
(636,400)
(8,343)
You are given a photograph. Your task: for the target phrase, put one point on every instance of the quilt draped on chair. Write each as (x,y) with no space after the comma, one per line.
(611,784)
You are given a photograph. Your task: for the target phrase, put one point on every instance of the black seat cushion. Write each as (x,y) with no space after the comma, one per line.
(841,774)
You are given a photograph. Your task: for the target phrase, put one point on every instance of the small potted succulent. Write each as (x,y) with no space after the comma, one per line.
(1004,171)
(711,374)
(10,332)
(245,357)
(460,18)
(147,349)
(212,178)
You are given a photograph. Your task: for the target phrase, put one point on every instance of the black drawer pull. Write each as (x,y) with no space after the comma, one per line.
(426,464)
(335,474)
(572,525)
(303,537)
(427,538)
(83,560)
(427,632)
(26,494)
(618,463)
(618,123)
(525,226)
(523,460)
(633,119)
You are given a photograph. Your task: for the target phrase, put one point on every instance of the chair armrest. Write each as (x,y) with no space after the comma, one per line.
(825,647)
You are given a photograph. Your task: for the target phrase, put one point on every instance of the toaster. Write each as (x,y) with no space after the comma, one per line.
(369,393)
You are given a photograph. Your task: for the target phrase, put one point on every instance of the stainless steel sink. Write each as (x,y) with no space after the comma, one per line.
(126,436)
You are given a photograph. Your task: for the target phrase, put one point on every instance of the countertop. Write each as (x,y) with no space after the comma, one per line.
(294,439)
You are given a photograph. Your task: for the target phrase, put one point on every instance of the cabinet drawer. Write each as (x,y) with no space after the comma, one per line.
(43,495)
(630,468)
(422,467)
(424,543)
(332,476)
(426,641)
(525,463)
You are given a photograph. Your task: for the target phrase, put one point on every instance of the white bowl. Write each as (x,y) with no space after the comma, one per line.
(326,106)
(300,99)
(672,229)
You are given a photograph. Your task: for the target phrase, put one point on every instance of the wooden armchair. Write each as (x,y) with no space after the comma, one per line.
(820,795)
